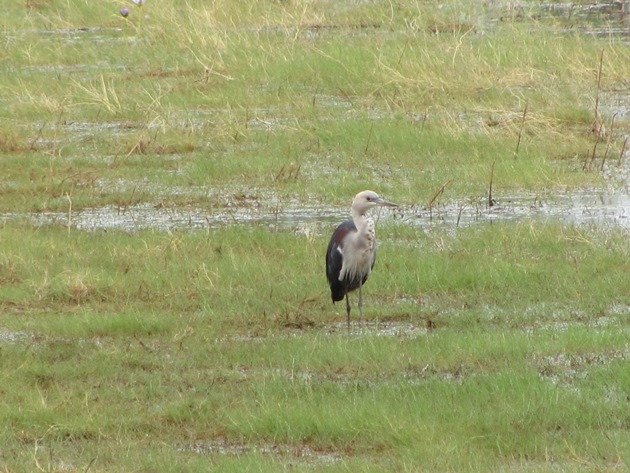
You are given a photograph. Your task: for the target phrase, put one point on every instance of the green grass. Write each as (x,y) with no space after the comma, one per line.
(135,339)
(497,347)
(245,275)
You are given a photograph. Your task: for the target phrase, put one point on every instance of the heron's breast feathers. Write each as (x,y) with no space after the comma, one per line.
(358,253)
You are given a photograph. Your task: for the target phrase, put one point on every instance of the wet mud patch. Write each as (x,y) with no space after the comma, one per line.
(603,18)
(9,336)
(98,67)
(562,325)
(358,329)
(616,103)
(348,377)
(386,328)
(558,326)
(83,129)
(565,368)
(77,35)
(417,375)
(544,318)
(298,453)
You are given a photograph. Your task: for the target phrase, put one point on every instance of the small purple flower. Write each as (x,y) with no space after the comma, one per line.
(124,11)
(138,2)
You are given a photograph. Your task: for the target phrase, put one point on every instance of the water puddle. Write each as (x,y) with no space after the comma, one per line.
(295,452)
(600,208)
(595,207)
(74,35)
(388,328)
(602,19)
(67,68)
(603,323)
(411,375)
(563,368)
(542,318)
(376,328)
(616,103)
(8,336)
(150,216)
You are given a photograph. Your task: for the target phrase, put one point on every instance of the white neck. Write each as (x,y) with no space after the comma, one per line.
(360,221)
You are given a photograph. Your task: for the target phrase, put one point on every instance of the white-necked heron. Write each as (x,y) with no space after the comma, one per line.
(352,250)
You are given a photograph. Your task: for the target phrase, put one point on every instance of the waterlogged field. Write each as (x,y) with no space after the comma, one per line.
(504,347)
(169,182)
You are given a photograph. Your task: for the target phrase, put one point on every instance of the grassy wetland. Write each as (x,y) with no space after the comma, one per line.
(169,183)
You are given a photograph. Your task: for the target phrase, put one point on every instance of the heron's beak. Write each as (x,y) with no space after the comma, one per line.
(384,203)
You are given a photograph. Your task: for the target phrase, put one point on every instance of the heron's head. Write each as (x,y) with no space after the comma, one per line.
(365,200)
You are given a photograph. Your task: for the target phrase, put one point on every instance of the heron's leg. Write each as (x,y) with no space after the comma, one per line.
(348,311)
(360,305)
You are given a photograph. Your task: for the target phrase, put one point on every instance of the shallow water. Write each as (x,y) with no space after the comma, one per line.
(590,207)
(598,207)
